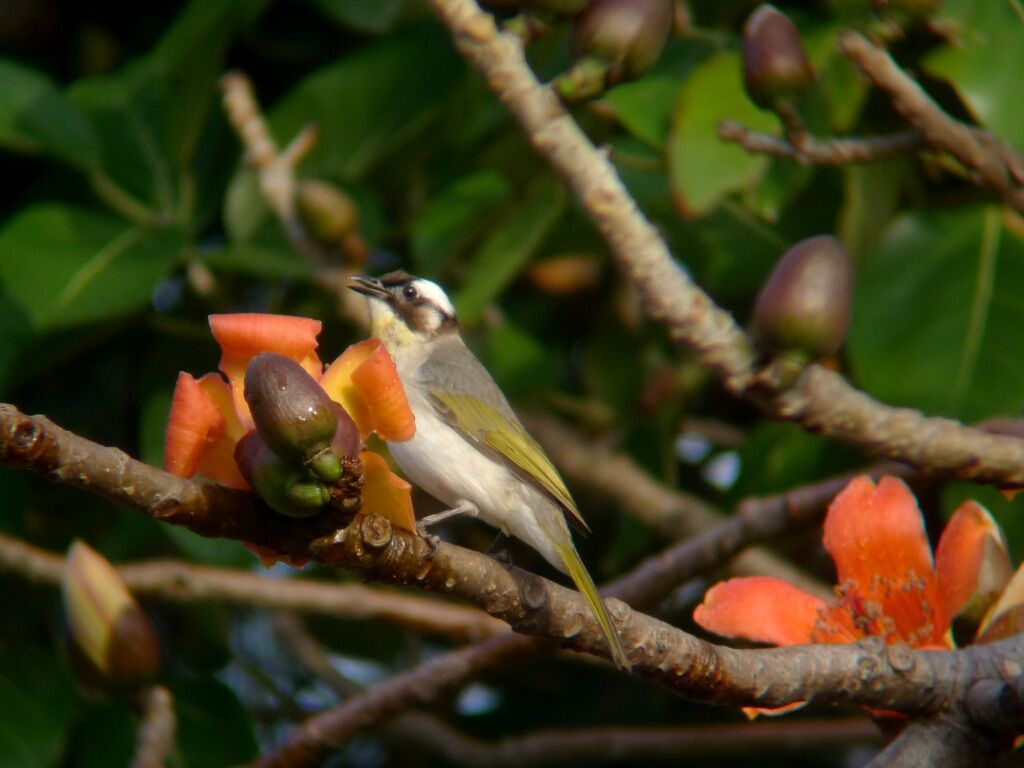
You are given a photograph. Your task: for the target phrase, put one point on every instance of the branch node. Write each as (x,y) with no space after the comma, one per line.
(535,594)
(376,532)
(901,657)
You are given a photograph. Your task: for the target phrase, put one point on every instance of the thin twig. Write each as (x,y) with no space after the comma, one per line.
(186,583)
(154,738)
(811,150)
(610,744)
(991,161)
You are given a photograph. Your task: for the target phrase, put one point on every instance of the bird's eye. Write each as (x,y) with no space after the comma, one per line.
(410,293)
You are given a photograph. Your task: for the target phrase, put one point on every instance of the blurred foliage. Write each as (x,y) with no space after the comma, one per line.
(127,215)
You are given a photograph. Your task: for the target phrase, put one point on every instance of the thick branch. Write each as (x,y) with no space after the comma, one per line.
(820,400)
(869,673)
(185,583)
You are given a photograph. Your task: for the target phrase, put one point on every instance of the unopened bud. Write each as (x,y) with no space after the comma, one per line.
(285,487)
(109,631)
(327,213)
(627,35)
(805,305)
(292,413)
(775,65)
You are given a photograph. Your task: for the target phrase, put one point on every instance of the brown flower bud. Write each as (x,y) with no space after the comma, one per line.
(327,213)
(292,413)
(109,631)
(285,487)
(775,65)
(805,305)
(627,35)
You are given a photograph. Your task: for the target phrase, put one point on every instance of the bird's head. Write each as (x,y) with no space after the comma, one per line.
(404,309)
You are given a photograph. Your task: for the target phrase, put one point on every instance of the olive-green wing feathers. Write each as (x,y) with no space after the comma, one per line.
(506,437)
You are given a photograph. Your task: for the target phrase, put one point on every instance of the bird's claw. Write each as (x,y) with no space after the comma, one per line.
(431,538)
(500,549)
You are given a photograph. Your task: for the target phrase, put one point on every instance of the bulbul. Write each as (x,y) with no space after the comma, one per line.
(470,451)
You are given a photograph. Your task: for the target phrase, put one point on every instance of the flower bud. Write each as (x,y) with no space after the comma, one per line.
(284,486)
(627,35)
(292,413)
(327,213)
(775,65)
(804,307)
(109,631)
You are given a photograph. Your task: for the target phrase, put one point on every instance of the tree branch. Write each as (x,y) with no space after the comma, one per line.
(819,400)
(869,673)
(811,150)
(185,583)
(992,162)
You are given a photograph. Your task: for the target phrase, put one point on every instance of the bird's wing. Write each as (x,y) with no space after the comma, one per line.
(505,437)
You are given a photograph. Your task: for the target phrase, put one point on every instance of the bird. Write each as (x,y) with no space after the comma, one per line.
(470,451)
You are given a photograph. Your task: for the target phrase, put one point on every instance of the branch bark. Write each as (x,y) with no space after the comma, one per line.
(820,400)
(185,582)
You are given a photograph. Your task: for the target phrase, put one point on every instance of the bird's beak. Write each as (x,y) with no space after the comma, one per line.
(368,286)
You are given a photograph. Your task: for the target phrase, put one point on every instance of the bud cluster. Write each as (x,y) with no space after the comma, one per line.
(614,41)
(296,452)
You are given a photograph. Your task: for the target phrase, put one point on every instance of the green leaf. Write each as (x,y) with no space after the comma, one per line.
(702,167)
(644,107)
(67,266)
(985,63)
(213,727)
(104,736)
(453,216)
(871,197)
(938,313)
(259,260)
(508,247)
(150,113)
(35,117)
(366,104)
(365,15)
(36,705)
(519,362)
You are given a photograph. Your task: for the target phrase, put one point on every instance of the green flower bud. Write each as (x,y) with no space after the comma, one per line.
(327,213)
(775,65)
(804,307)
(626,35)
(109,632)
(292,413)
(286,487)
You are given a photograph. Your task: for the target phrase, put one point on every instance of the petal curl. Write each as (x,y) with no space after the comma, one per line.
(762,609)
(194,425)
(970,542)
(365,382)
(218,461)
(243,336)
(385,493)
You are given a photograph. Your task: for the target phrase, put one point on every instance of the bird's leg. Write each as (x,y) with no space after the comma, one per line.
(463,508)
(500,549)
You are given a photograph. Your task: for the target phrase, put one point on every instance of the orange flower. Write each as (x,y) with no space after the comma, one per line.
(888,587)
(210,415)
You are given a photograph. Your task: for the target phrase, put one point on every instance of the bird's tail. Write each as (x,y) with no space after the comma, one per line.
(581,578)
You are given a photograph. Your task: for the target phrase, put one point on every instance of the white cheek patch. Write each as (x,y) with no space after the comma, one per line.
(434,294)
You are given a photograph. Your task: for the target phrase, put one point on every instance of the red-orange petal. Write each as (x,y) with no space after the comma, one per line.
(377,380)
(337,382)
(876,536)
(960,554)
(364,380)
(194,425)
(243,336)
(762,609)
(385,493)
(218,462)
